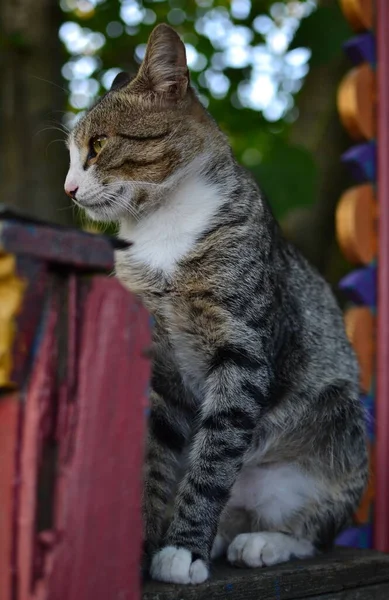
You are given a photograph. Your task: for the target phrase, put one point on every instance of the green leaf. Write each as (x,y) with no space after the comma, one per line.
(288,177)
(324,32)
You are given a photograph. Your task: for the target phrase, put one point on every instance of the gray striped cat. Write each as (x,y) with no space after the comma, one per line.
(256,434)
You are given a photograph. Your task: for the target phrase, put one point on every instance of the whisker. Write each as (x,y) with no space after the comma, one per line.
(126,204)
(78,204)
(137,183)
(70,207)
(53,142)
(59,124)
(61,112)
(51,83)
(51,128)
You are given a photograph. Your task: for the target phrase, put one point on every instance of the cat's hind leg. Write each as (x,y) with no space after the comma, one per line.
(303,504)
(256,528)
(293,513)
(268,548)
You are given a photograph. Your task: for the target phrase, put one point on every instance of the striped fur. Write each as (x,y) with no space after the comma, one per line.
(256,435)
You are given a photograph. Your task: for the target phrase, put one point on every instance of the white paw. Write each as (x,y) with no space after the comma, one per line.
(174,565)
(219,547)
(266,549)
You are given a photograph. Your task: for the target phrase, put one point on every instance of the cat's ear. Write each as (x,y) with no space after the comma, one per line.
(164,69)
(120,80)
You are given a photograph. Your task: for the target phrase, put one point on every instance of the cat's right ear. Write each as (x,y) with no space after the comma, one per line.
(120,81)
(164,69)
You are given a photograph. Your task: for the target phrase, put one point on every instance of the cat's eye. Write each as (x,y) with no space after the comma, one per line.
(98,143)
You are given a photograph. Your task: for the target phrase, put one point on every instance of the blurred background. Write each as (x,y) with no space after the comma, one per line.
(267,71)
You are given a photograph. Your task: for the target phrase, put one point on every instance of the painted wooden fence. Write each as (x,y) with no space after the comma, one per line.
(73,388)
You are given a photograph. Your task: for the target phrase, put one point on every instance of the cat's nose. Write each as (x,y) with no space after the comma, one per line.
(71,190)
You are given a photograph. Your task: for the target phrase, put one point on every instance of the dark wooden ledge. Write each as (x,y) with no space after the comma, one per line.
(344,574)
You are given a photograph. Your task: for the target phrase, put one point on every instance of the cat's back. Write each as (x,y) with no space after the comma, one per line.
(326,348)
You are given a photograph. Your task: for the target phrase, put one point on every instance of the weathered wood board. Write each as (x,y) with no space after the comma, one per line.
(345,574)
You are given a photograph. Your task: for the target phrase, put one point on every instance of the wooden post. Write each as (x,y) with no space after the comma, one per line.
(381,531)
(73,389)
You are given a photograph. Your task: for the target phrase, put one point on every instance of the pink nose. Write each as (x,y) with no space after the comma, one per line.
(71,191)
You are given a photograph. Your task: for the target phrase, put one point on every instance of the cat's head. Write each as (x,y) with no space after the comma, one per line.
(139,136)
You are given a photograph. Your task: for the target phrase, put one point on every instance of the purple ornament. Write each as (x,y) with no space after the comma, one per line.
(360,286)
(361,160)
(361,48)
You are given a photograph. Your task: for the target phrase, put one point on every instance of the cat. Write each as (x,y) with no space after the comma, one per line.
(254,390)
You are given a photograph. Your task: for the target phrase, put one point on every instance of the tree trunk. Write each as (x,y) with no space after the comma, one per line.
(319,131)
(33,167)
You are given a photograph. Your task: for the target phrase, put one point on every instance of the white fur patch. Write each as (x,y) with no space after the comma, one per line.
(275,492)
(170,233)
(76,174)
(266,549)
(174,565)
(90,191)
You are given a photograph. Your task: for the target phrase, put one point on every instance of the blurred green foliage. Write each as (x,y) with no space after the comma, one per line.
(323,32)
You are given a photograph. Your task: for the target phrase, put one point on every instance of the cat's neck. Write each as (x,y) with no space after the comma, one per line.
(165,236)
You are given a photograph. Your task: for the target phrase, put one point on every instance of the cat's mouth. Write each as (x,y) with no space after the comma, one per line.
(92,205)
(106,207)
(100,204)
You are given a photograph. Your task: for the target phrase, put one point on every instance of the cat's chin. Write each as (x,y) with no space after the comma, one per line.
(100,215)
(103,212)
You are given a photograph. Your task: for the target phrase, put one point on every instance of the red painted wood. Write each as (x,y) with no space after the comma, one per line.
(65,246)
(67,385)
(71,294)
(381,541)
(37,402)
(8,213)
(73,325)
(9,443)
(98,522)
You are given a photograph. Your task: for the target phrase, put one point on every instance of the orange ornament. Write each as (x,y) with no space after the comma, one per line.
(359,13)
(356,101)
(356,224)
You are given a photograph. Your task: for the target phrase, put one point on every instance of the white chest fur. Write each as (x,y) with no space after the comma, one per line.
(165,237)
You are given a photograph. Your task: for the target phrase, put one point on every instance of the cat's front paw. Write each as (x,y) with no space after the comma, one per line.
(176,565)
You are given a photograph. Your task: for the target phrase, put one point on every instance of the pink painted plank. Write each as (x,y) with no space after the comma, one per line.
(38,402)
(97,555)
(381,541)
(52,244)
(10,406)
(70,296)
